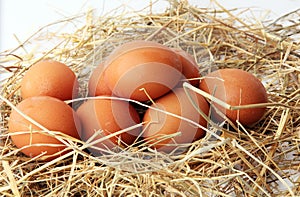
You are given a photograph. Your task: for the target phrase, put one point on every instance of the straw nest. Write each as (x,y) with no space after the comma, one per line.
(229,161)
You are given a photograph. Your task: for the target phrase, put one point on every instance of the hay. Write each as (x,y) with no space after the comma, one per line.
(229,161)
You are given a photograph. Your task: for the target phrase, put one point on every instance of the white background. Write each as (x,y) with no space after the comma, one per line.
(23,17)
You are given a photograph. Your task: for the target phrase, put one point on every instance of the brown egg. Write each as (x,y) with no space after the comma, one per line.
(142,65)
(108,117)
(236,87)
(97,86)
(51,113)
(159,124)
(190,69)
(49,78)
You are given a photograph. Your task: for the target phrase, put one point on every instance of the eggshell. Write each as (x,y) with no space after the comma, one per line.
(159,124)
(97,85)
(53,114)
(108,116)
(49,78)
(190,69)
(142,64)
(236,87)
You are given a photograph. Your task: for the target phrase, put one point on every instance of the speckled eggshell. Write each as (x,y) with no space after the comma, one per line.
(51,113)
(49,78)
(103,117)
(142,65)
(97,86)
(236,87)
(190,69)
(159,124)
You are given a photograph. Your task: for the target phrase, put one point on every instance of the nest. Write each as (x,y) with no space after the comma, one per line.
(229,161)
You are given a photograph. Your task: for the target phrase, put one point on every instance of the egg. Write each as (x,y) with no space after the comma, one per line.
(49,78)
(103,117)
(51,113)
(97,86)
(190,69)
(158,124)
(142,66)
(235,87)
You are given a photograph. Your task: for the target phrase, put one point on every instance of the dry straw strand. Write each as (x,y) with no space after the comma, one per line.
(230,161)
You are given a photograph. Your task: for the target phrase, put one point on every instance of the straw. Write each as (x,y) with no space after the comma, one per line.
(232,160)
